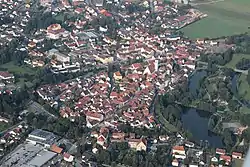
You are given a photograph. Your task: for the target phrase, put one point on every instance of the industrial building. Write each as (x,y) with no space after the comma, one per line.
(28,155)
(42,137)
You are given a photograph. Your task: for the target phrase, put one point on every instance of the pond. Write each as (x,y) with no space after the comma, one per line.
(196,122)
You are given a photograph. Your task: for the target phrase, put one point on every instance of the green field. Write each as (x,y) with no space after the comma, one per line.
(236,58)
(11,67)
(224,18)
(243,87)
(3,126)
(19,70)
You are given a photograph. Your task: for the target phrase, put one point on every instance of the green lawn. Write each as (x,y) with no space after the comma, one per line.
(3,126)
(224,18)
(236,58)
(15,69)
(243,87)
(11,67)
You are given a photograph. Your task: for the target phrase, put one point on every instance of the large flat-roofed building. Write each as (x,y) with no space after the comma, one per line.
(42,137)
(28,155)
(98,3)
(88,35)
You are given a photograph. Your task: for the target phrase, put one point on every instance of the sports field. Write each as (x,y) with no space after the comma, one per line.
(224,18)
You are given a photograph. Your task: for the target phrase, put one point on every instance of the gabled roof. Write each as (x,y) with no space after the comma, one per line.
(56,149)
(178,148)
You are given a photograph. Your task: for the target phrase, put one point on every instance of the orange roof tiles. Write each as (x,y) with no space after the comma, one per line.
(179,148)
(56,149)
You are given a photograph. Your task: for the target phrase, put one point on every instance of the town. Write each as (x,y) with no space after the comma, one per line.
(83,81)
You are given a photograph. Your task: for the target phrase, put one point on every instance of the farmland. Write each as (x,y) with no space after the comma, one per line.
(225,18)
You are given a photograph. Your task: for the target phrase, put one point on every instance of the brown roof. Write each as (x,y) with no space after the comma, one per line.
(56,149)
(179,148)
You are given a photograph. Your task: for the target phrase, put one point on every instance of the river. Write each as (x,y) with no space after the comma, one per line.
(196,121)
(194,81)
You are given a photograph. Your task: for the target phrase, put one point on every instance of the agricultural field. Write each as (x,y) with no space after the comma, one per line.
(224,18)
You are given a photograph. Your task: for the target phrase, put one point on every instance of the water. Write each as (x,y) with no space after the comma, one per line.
(196,122)
(194,81)
(234,83)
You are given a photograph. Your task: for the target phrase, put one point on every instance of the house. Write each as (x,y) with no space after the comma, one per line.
(179,152)
(4,120)
(237,155)
(31,44)
(94,134)
(67,157)
(175,162)
(214,159)
(56,149)
(94,116)
(193,165)
(138,144)
(220,151)
(118,75)
(6,76)
(226,158)
(118,135)
(104,58)
(54,31)
(189,144)
(61,57)
(149,70)
(101,140)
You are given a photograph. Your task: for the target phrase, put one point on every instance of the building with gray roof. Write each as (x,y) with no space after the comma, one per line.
(28,155)
(42,137)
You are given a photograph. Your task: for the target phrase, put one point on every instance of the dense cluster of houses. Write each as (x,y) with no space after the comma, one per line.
(197,157)
(133,87)
(104,135)
(11,137)
(89,47)
(6,82)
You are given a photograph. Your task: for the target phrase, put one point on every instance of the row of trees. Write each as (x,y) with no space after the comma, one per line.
(120,153)
(243,64)
(218,58)
(61,126)
(12,104)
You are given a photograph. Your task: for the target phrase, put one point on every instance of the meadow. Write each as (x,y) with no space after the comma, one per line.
(224,18)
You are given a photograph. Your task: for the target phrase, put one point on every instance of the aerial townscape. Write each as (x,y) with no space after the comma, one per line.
(124,83)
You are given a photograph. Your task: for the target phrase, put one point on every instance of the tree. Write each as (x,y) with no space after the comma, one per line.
(30,117)
(228,138)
